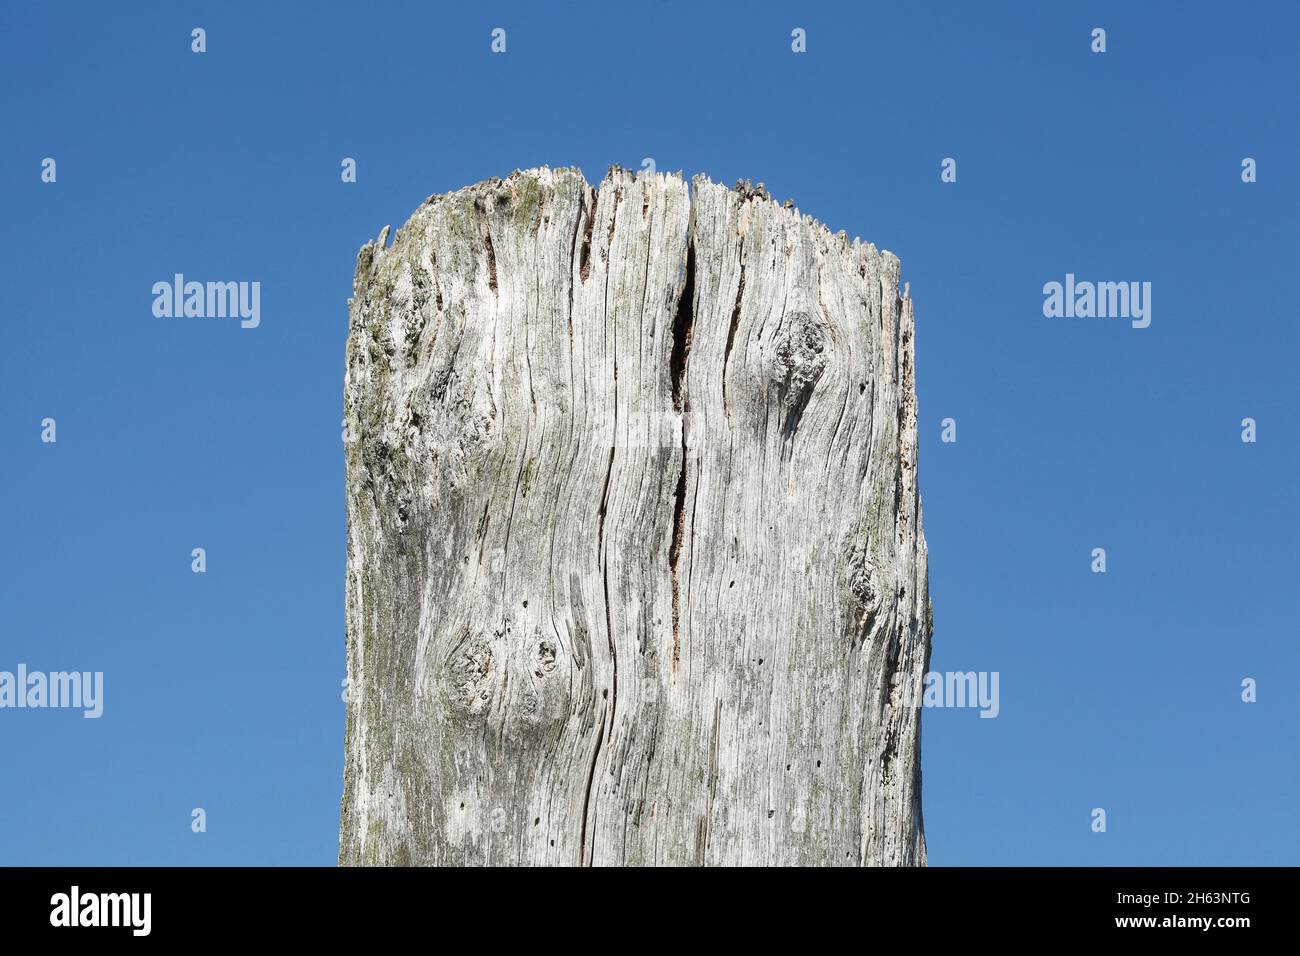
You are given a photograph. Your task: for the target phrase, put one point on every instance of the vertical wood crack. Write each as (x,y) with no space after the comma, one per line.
(583,860)
(731,330)
(683,330)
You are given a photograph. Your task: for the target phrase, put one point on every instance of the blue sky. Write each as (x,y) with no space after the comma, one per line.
(222,690)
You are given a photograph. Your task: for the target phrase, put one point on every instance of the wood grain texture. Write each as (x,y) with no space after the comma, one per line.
(635,568)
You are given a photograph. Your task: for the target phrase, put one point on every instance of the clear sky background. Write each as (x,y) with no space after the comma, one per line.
(223,690)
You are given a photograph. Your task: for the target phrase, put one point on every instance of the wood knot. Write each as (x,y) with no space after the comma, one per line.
(864,584)
(545,662)
(800,356)
(473,675)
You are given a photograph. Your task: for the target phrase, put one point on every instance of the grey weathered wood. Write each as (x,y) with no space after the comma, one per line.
(635,564)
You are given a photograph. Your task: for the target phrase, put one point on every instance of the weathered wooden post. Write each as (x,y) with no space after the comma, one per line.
(635,564)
